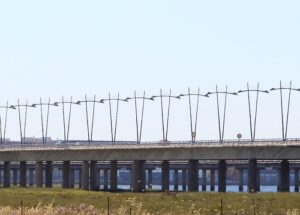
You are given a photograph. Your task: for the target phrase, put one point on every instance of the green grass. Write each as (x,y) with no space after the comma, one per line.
(156,203)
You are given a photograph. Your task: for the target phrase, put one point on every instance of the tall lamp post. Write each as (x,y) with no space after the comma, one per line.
(113,126)
(90,128)
(165,126)
(257,91)
(3,133)
(139,126)
(45,127)
(23,127)
(193,126)
(284,125)
(67,129)
(217,92)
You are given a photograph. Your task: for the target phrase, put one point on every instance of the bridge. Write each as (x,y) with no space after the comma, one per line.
(187,156)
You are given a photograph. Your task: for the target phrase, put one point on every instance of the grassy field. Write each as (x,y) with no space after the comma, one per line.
(149,203)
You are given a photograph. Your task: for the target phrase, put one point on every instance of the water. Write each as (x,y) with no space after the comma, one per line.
(229,188)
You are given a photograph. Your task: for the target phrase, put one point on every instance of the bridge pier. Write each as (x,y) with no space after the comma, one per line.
(72,178)
(6,174)
(252,175)
(66,174)
(183,179)
(105,175)
(138,176)
(149,179)
(39,173)
(15,177)
(165,175)
(222,176)
(93,176)
(85,175)
(113,176)
(175,179)
(203,179)
(296,180)
(193,181)
(30,177)
(284,176)
(48,174)
(258,179)
(23,174)
(79,178)
(212,180)
(241,181)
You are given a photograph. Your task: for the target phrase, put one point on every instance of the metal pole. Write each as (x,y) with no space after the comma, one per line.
(42,120)
(218,108)
(5,122)
(1,129)
(69,121)
(142,117)
(47,120)
(162,114)
(250,116)
(87,118)
(20,122)
(64,120)
(225,104)
(25,120)
(191,117)
(136,119)
(196,118)
(93,118)
(111,120)
(256,107)
(288,111)
(282,119)
(168,116)
(116,119)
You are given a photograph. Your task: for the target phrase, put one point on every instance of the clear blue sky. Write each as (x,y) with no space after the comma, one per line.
(55,48)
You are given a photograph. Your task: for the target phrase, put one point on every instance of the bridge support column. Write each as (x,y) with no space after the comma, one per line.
(203,179)
(113,176)
(23,174)
(258,180)
(66,174)
(165,176)
(85,175)
(30,177)
(212,180)
(193,181)
(79,178)
(105,175)
(39,173)
(138,175)
(252,175)
(241,181)
(93,176)
(222,176)
(15,177)
(6,174)
(284,176)
(72,178)
(184,179)
(149,179)
(296,180)
(175,179)
(48,174)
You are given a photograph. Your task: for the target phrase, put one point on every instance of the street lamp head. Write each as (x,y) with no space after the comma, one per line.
(55,104)
(12,107)
(234,93)
(101,101)
(33,105)
(266,91)
(78,103)
(207,94)
(152,98)
(273,89)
